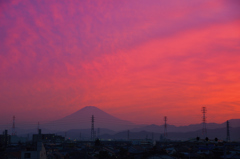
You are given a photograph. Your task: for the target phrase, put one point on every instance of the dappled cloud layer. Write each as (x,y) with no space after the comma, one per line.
(135,59)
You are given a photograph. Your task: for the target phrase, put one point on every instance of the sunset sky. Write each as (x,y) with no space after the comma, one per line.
(139,60)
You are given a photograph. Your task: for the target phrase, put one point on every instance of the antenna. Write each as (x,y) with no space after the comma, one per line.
(204,129)
(165,126)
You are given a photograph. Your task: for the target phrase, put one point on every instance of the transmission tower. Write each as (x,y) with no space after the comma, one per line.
(204,129)
(228,134)
(98,132)
(38,126)
(13,127)
(92,129)
(165,126)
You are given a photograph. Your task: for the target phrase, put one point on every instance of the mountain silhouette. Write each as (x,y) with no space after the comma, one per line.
(82,119)
(219,133)
(234,123)
(115,128)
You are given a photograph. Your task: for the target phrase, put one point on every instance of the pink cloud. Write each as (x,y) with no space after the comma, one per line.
(57,57)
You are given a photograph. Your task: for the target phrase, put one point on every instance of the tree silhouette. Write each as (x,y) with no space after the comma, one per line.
(97,142)
(197,138)
(207,139)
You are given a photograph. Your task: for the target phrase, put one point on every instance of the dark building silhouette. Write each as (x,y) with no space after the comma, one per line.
(47,137)
(5,138)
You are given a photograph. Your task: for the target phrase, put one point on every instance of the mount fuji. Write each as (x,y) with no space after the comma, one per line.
(82,119)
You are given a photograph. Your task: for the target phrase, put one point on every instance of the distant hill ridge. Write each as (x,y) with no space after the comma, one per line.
(81,119)
(234,123)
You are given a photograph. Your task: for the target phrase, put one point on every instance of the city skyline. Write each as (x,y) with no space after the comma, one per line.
(137,60)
